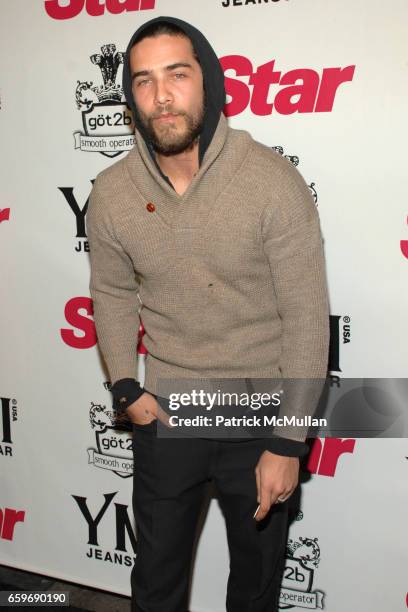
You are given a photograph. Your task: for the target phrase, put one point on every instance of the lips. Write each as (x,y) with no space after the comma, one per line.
(166,117)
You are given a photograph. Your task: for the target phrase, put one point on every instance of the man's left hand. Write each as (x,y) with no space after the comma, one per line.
(276,476)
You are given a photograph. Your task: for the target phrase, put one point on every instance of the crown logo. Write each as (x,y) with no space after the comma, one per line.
(109,60)
(100,417)
(307,550)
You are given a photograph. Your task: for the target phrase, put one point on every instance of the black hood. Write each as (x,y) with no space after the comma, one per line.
(213,78)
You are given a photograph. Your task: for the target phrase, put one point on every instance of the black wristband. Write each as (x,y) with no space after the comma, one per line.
(125,391)
(286,447)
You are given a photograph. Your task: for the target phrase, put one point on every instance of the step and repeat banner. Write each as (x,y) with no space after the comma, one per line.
(324,84)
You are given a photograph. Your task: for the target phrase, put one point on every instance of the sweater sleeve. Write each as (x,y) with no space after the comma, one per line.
(293,244)
(114,290)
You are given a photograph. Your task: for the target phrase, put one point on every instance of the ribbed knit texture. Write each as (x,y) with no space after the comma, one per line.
(229,278)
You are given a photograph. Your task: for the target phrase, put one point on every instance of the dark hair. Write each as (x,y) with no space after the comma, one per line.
(163,27)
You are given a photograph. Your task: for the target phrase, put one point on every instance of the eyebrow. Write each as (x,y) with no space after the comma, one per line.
(168,68)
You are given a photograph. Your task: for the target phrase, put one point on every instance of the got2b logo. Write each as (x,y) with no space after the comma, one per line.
(107,122)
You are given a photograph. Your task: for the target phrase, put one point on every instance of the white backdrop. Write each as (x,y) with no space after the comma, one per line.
(66,471)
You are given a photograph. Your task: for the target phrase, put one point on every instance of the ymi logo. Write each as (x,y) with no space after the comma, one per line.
(106,118)
(117,523)
(8,414)
(340,333)
(114,445)
(294,159)
(302,559)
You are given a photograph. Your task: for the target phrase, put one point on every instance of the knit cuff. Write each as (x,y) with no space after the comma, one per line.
(125,391)
(286,447)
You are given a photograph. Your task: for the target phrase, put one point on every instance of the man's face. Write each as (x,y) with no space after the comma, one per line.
(167,85)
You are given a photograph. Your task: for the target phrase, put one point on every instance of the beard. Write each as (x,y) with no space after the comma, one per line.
(168,139)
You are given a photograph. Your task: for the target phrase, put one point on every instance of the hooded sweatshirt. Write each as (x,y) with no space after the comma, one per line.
(228,278)
(214,101)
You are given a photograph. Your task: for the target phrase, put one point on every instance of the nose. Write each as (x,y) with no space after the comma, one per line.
(162,92)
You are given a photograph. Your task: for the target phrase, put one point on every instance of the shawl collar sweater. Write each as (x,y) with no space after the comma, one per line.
(228,278)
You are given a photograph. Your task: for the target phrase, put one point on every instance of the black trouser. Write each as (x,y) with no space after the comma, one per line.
(169,486)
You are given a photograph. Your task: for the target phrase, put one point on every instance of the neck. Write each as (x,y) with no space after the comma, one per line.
(180,168)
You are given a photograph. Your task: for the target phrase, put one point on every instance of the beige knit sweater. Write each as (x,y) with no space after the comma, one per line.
(228,279)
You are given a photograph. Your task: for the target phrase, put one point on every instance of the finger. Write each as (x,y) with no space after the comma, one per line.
(149,414)
(256,511)
(121,417)
(144,417)
(265,504)
(282,497)
(258,486)
(288,494)
(162,415)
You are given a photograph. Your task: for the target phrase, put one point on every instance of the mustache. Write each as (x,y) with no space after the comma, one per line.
(166,111)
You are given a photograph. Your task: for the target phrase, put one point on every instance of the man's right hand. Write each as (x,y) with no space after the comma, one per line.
(145,410)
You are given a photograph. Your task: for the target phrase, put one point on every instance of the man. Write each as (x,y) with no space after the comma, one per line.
(213,240)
